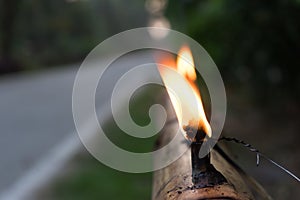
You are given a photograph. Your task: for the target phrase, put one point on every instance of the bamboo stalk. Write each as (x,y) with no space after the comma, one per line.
(177,181)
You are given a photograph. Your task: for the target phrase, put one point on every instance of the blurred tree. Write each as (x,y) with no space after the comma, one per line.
(8,13)
(37,33)
(53,32)
(253,42)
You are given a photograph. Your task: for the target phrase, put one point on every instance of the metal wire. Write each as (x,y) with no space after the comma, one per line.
(258,154)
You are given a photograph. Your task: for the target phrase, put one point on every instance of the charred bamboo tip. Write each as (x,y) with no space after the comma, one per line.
(204,173)
(194,134)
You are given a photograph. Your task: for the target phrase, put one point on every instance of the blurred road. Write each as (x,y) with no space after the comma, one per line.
(36,121)
(35,115)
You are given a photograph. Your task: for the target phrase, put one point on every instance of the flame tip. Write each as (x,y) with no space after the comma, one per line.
(185,67)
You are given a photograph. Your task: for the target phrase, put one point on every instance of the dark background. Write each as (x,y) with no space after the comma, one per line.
(254,43)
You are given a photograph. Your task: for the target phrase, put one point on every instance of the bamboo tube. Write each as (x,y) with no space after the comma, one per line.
(176,180)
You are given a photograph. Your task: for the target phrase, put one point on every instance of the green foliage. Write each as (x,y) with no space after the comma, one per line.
(92,180)
(139,110)
(47,33)
(50,32)
(252,42)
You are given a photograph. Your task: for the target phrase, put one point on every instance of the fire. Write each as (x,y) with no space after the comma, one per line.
(185,64)
(179,79)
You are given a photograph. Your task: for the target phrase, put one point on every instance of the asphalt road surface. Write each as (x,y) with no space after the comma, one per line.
(36,116)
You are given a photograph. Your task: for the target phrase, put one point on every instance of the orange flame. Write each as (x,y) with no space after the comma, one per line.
(183,92)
